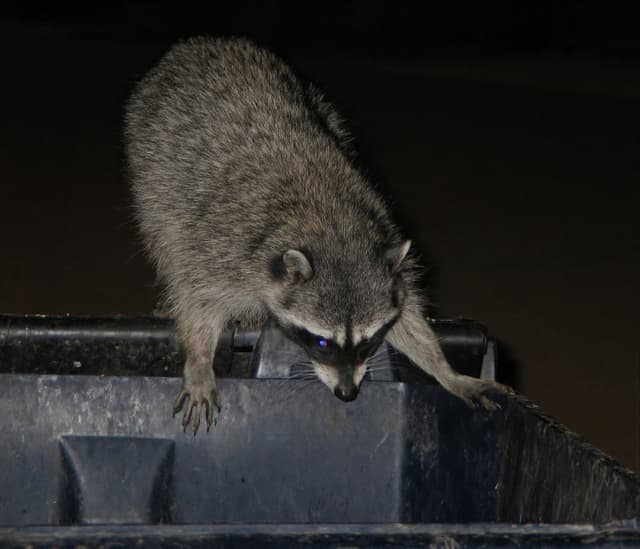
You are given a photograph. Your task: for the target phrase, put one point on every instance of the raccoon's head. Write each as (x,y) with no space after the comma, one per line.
(339,309)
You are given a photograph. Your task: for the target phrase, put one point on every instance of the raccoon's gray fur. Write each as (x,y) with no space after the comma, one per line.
(250,207)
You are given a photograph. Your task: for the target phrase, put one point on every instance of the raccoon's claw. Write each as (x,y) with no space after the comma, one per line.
(481,401)
(471,391)
(209,410)
(179,403)
(196,401)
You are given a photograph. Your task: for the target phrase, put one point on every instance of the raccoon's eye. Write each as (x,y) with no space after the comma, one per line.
(323,343)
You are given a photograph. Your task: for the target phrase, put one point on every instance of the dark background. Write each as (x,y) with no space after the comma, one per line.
(506,137)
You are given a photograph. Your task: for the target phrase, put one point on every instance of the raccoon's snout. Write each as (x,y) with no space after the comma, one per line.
(346,393)
(344,385)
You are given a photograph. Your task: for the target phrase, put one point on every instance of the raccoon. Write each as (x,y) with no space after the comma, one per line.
(251,207)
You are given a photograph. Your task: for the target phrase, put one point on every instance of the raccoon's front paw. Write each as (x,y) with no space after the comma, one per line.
(196,398)
(471,390)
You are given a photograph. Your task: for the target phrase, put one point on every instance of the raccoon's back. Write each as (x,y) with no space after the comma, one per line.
(232,158)
(187,120)
(209,122)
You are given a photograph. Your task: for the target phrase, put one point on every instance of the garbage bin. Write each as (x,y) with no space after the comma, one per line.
(92,457)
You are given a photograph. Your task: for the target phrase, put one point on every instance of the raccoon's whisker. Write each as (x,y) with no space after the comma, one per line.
(302,365)
(386,364)
(298,364)
(377,361)
(379,352)
(382,369)
(285,351)
(304,375)
(379,355)
(379,364)
(302,385)
(394,363)
(287,391)
(381,359)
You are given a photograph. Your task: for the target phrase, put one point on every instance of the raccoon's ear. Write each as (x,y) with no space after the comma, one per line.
(396,255)
(297,267)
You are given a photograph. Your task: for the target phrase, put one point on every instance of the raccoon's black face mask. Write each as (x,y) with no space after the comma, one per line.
(338,310)
(330,352)
(340,367)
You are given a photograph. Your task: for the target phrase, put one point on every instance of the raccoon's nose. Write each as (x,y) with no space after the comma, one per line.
(347,394)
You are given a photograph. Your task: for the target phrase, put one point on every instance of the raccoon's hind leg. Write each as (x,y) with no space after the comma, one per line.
(413,336)
(199,334)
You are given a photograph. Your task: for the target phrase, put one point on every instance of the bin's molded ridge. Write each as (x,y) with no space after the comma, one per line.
(460,536)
